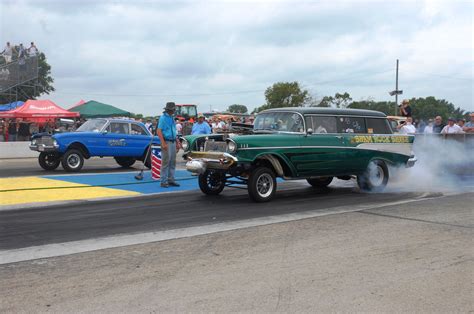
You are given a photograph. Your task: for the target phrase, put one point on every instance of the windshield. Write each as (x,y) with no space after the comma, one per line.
(186,111)
(92,126)
(279,121)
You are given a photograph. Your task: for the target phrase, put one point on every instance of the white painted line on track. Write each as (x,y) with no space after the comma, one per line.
(74,247)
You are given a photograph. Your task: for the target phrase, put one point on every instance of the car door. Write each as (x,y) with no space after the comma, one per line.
(323,151)
(354,132)
(139,139)
(118,139)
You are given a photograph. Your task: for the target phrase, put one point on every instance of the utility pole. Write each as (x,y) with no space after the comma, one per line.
(396,89)
(396,92)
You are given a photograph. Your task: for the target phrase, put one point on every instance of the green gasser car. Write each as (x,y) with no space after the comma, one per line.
(316,144)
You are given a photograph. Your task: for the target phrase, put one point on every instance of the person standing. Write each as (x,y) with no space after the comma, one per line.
(32,50)
(405,109)
(469,126)
(24,131)
(408,127)
(12,130)
(2,130)
(438,125)
(8,52)
(179,127)
(201,127)
(429,128)
(169,145)
(451,128)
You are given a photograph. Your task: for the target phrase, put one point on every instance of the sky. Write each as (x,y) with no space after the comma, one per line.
(138,55)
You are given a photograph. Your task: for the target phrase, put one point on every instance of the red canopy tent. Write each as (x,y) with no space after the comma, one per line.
(39,111)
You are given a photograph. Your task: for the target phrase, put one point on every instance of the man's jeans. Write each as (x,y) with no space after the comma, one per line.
(168,163)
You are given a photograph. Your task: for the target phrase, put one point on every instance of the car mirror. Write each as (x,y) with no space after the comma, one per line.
(104,132)
(309,131)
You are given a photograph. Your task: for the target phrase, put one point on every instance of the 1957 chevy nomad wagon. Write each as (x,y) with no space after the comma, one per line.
(316,144)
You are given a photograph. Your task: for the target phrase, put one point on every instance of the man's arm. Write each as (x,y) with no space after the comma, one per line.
(164,146)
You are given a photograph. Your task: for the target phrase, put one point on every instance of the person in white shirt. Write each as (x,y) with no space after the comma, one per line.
(429,128)
(8,52)
(32,50)
(451,128)
(179,127)
(408,127)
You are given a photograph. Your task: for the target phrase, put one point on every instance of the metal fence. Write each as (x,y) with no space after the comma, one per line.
(18,72)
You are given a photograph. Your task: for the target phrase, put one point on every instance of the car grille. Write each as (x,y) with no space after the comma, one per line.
(213,146)
(45,140)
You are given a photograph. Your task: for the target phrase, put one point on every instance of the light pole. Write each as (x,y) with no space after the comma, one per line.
(396,92)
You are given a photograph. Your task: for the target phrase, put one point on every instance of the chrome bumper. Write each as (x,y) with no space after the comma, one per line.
(44,148)
(411,162)
(199,162)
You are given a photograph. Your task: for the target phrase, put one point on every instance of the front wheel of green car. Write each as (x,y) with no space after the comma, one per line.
(320,182)
(262,184)
(375,177)
(212,182)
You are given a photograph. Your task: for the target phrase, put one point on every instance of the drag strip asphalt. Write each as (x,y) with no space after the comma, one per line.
(152,213)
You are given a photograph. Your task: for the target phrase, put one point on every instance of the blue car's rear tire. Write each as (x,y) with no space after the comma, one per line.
(125,162)
(72,160)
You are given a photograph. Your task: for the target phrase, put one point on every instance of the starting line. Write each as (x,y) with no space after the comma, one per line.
(27,190)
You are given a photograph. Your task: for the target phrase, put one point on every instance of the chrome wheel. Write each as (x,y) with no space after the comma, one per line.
(264,185)
(73,161)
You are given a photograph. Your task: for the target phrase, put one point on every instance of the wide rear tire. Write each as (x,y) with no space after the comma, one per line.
(212,182)
(375,177)
(125,162)
(49,160)
(262,185)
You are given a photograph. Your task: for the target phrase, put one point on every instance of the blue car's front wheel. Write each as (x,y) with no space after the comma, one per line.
(72,160)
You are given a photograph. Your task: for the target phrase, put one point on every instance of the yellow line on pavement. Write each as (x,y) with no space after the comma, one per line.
(50,194)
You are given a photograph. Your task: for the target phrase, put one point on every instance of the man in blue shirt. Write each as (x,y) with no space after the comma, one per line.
(201,127)
(169,145)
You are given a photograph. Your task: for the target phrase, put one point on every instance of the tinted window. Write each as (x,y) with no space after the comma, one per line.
(351,125)
(321,124)
(279,121)
(138,130)
(378,126)
(118,128)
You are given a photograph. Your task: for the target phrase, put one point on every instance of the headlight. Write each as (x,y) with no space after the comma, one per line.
(184,144)
(231,147)
(33,142)
(55,143)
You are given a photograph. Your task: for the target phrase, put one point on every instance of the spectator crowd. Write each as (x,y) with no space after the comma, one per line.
(433,126)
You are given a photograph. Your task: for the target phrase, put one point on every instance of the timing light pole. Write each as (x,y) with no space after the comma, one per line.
(396,92)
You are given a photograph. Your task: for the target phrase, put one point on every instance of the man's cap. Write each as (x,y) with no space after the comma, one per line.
(451,119)
(201,116)
(170,106)
(405,101)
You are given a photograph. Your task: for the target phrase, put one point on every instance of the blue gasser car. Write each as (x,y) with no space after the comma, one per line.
(125,140)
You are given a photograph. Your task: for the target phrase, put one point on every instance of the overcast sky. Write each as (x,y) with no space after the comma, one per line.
(138,55)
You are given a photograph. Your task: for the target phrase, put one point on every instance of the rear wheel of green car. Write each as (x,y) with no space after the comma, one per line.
(375,177)
(212,182)
(320,182)
(262,184)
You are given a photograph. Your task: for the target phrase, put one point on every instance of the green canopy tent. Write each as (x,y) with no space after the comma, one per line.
(95,109)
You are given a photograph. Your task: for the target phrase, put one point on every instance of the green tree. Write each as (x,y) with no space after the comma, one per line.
(338,101)
(236,108)
(386,107)
(32,89)
(285,94)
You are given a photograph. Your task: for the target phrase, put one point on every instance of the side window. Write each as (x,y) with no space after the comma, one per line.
(351,125)
(323,125)
(119,128)
(378,126)
(138,130)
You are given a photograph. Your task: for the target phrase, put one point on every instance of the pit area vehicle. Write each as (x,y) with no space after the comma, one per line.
(186,112)
(125,140)
(316,144)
